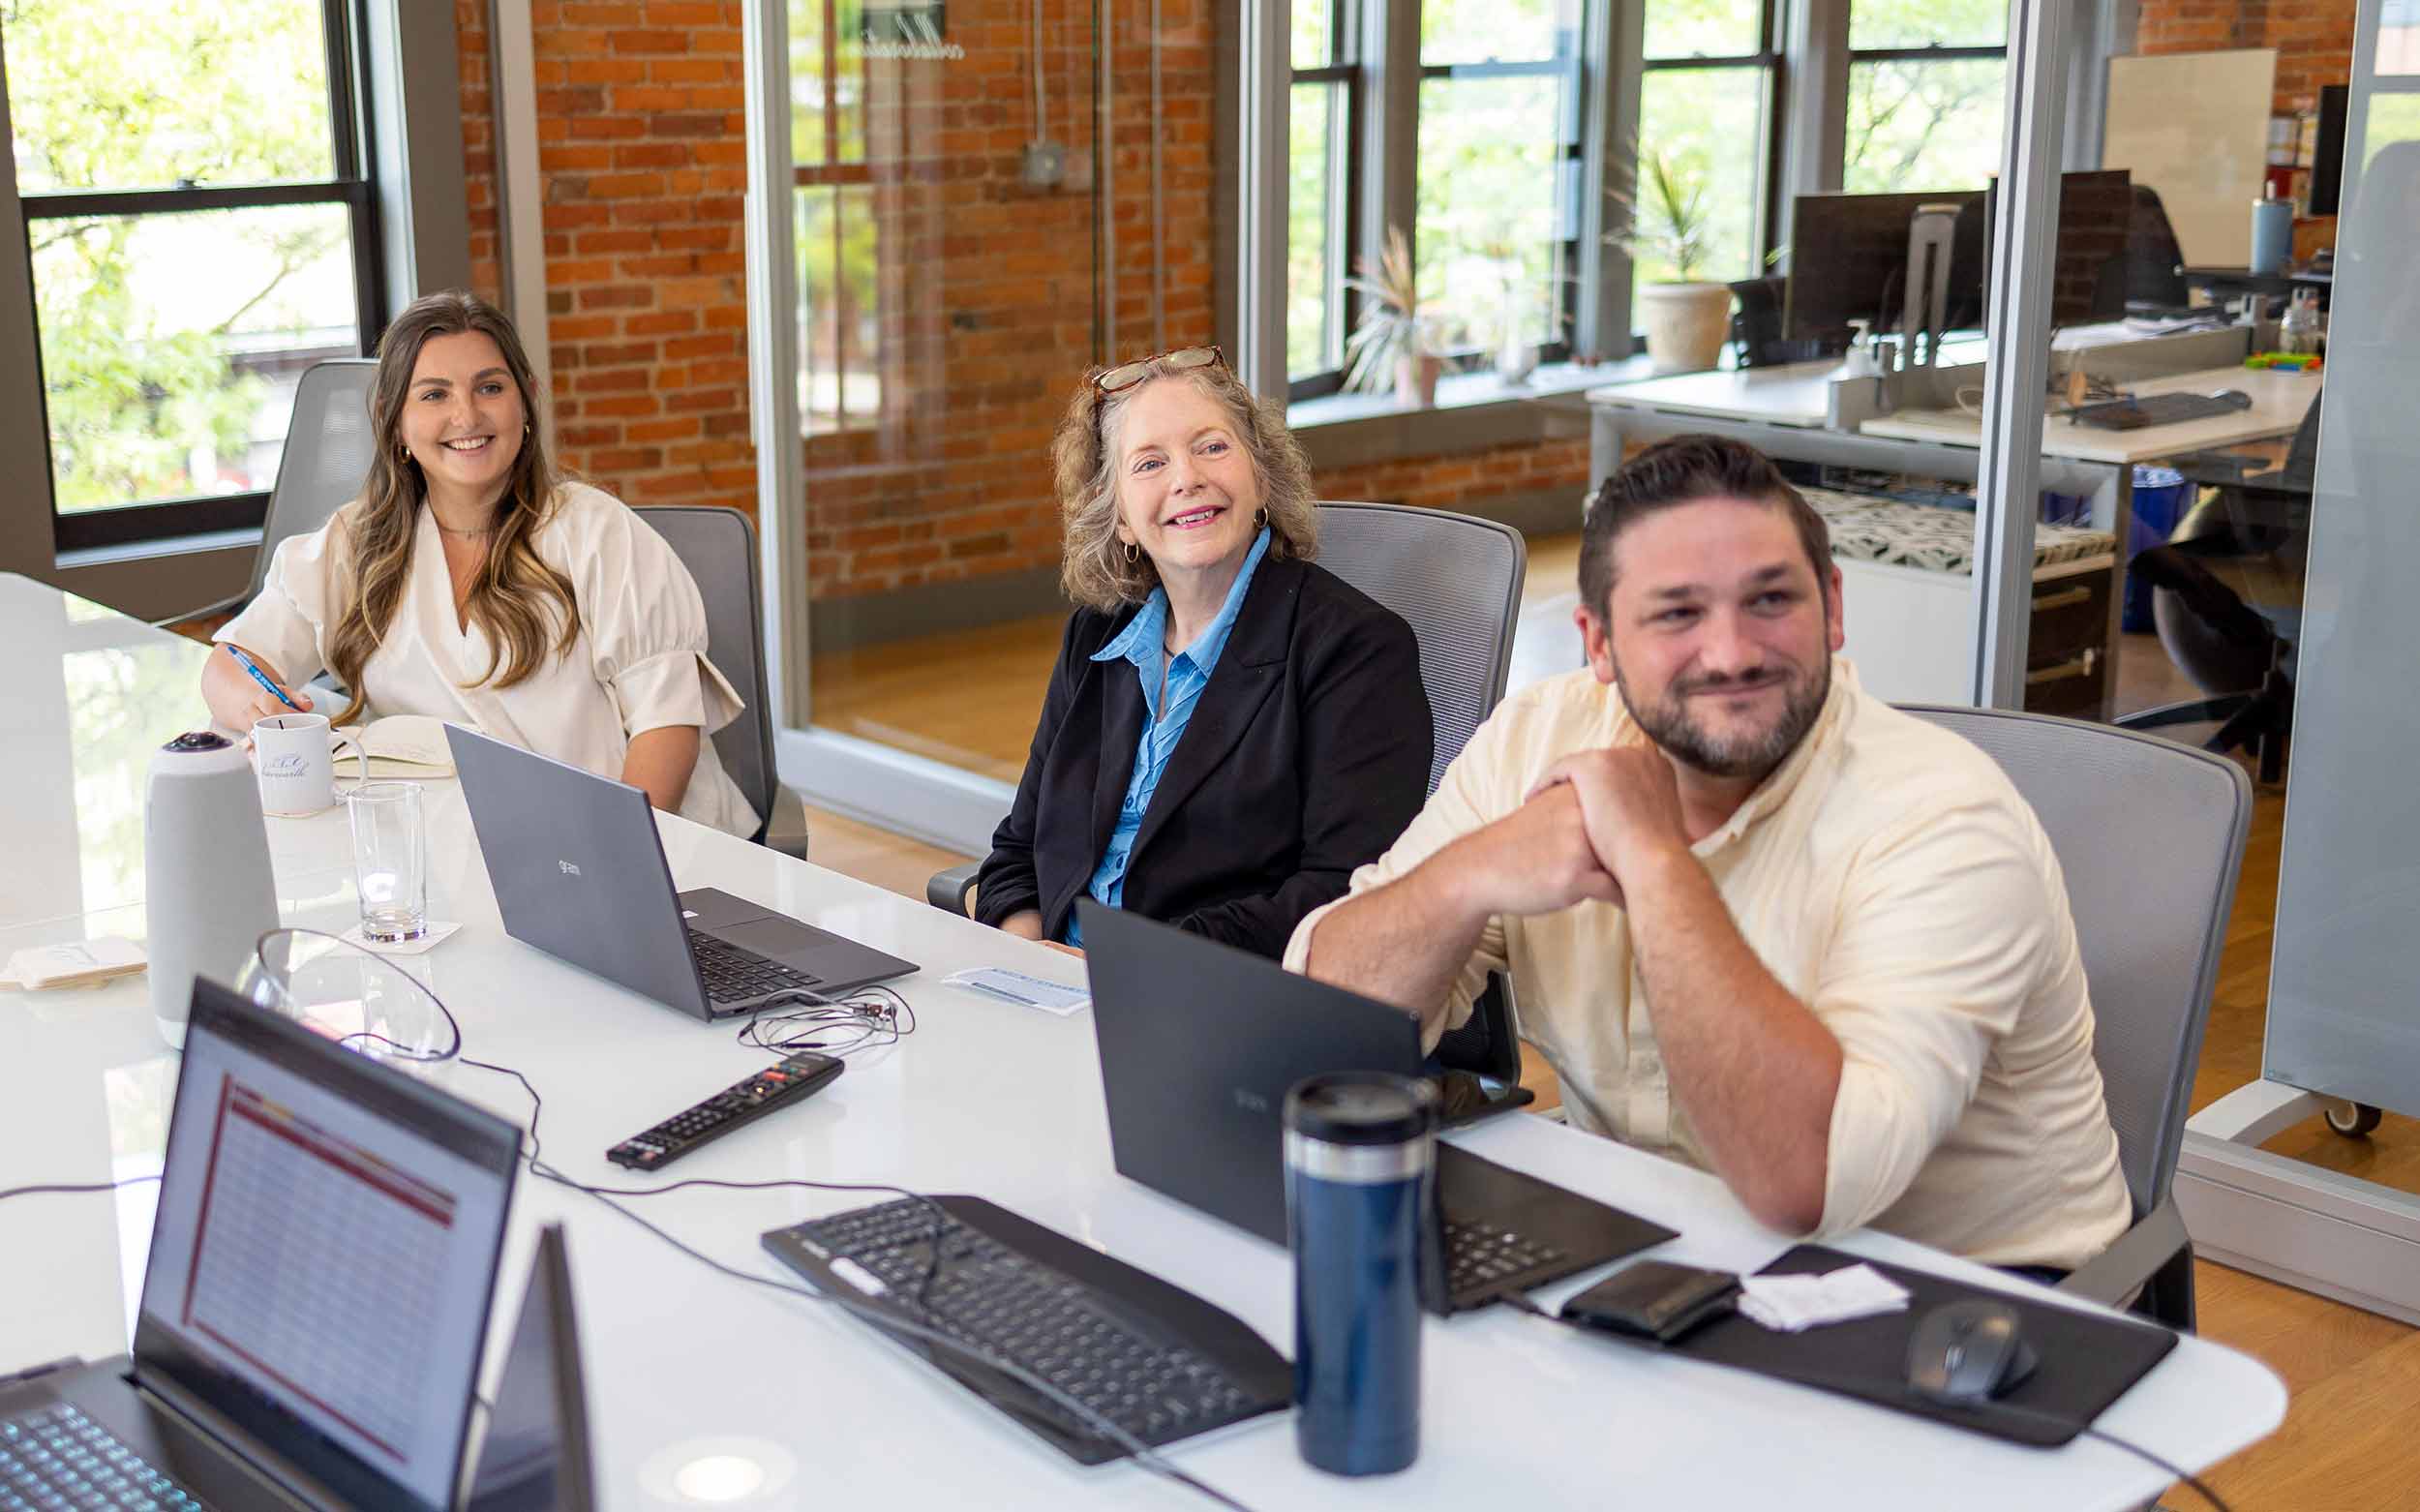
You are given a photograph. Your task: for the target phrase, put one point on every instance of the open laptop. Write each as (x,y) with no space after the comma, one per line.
(321,1265)
(579,872)
(537,1456)
(1199,1042)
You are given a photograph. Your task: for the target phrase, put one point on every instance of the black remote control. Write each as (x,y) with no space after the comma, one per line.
(794,1081)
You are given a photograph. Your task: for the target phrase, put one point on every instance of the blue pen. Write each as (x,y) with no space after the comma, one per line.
(259,676)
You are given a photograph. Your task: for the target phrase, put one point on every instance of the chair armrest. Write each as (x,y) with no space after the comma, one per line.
(785,828)
(2119,1272)
(228,605)
(948,891)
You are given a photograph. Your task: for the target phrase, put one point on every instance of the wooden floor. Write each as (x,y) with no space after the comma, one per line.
(2347,1444)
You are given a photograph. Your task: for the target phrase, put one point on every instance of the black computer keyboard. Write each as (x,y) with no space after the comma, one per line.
(56,1457)
(732,974)
(1478,1256)
(1156,1360)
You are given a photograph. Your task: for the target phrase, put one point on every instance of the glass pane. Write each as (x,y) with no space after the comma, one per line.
(2398,52)
(1500,31)
(1314,227)
(1917,126)
(1314,27)
(1488,244)
(151,94)
(1704,28)
(948,308)
(827,86)
(1707,127)
(1927,23)
(838,339)
(171,344)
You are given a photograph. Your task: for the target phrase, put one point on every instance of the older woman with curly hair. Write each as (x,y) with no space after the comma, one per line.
(1230,730)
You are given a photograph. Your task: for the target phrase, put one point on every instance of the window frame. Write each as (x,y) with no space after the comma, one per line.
(1570,254)
(1772,59)
(345,35)
(1930,53)
(1344,71)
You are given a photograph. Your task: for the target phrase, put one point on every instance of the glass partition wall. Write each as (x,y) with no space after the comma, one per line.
(950,180)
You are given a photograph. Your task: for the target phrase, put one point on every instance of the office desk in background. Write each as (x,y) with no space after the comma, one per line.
(987,1098)
(2279,398)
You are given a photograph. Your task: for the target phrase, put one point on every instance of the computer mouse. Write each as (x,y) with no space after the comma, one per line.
(2233,396)
(1963,1353)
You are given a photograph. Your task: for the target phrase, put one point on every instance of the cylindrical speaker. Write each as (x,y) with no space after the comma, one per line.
(207,889)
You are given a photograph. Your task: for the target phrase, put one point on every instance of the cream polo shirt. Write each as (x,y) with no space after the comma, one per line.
(1891,877)
(638,663)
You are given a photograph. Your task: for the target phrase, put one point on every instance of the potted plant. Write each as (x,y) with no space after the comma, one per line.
(1687,320)
(1391,341)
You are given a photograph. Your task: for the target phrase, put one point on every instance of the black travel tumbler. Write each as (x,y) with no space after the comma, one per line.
(1359,1150)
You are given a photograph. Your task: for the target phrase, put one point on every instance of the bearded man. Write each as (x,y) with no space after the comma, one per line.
(1754,917)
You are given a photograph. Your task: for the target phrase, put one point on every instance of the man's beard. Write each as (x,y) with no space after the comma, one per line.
(1754,754)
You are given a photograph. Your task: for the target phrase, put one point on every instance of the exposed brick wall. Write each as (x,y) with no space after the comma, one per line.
(2314,38)
(478,146)
(1454,482)
(985,317)
(989,285)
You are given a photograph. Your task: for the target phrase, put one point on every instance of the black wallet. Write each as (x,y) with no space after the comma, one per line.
(1654,1299)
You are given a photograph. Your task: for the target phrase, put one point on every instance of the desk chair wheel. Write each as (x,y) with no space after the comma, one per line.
(2353,1120)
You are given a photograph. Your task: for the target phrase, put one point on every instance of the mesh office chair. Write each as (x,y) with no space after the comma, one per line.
(1455,580)
(2149,835)
(718,547)
(327,457)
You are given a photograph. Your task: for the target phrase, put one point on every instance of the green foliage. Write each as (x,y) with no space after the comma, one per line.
(1916,125)
(156,94)
(1668,221)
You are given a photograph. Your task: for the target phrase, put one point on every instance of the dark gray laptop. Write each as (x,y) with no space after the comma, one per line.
(579,872)
(536,1457)
(321,1263)
(1199,1042)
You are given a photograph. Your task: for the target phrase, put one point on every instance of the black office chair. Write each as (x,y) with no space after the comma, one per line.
(1756,330)
(2241,656)
(2229,649)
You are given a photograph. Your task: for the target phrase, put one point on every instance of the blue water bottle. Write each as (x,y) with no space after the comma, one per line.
(1359,1150)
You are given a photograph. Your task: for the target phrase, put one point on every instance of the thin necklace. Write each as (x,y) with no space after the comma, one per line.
(447,529)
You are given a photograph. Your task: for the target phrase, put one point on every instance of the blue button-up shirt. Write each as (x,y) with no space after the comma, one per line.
(1143,642)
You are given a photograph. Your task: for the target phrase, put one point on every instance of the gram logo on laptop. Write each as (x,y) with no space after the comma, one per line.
(569,870)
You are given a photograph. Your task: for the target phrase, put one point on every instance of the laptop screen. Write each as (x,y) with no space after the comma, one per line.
(325,1253)
(537,1454)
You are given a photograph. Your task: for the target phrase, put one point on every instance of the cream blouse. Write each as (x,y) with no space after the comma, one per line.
(638,664)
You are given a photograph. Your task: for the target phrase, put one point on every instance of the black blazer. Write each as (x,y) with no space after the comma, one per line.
(1306,756)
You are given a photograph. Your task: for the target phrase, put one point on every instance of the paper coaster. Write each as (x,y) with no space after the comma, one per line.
(438,929)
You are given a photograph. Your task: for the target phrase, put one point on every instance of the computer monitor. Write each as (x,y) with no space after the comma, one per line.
(1848,262)
(1848,256)
(2327,154)
(536,1457)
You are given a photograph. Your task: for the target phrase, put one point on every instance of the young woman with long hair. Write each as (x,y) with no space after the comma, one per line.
(469,581)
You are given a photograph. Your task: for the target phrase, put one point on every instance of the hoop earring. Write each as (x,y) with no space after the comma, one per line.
(1133,553)
(1261,520)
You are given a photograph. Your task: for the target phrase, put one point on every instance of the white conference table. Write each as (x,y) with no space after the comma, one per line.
(685,1366)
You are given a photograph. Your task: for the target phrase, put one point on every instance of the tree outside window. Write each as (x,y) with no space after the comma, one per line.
(194,211)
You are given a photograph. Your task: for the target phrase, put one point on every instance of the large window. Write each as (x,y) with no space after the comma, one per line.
(1324,115)
(1706,114)
(199,230)
(1499,176)
(1926,83)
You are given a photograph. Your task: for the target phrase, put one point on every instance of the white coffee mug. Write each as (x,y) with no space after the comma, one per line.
(298,775)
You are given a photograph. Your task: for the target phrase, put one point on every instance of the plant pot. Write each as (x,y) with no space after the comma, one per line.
(1686,324)
(1416,381)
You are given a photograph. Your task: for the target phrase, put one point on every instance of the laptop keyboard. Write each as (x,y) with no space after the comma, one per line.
(732,974)
(56,1458)
(1479,1257)
(1150,1382)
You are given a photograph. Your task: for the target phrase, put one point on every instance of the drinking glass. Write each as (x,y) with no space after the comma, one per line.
(390,860)
(363,1001)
